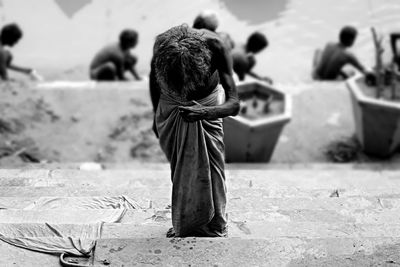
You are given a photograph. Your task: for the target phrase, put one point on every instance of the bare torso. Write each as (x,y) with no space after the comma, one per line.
(333,58)
(5,61)
(111,53)
(242,62)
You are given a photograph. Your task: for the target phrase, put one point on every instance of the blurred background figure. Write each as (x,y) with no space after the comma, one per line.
(208,19)
(328,64)
(394,38)
(113,60)
(9,36)
(244,57)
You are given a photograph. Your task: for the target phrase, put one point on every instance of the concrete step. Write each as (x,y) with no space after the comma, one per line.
(12,256)
(263,183)
(244,224)
(233,252)
(148,193)
(263,230)
(299,178)
(90,87)
(135,164)
(350,203)
(343,215)
(276,216)
(147,249)
(296,177)
(226,252)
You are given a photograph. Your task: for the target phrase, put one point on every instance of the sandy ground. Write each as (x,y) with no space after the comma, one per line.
(79,126)
(112,124)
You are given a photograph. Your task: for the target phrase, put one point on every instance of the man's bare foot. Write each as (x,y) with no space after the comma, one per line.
(171,232)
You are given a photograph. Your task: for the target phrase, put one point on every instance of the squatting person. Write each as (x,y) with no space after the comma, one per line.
(192,89)
(113,60)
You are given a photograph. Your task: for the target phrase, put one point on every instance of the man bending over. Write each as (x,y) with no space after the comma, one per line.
(244,57)
(186,69)
(111,62)
(9,36)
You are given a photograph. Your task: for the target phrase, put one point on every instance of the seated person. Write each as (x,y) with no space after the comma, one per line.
(112,61)
(9,36)
(328,64)
(244,59)
(208,19)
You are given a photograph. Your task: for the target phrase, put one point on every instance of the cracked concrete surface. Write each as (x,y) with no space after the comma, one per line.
(283,215)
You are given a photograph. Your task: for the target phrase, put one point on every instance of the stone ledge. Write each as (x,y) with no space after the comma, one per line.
(136,164)
(236,252)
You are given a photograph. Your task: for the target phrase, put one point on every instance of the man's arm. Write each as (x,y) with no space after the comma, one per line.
(265,78)
(120,71)
(343,74)
(120,65)
(356,63)
(155,90)
(134,73)
(6,61)
(132,60)
(3,65)
(251,63)
(231,106)
(23,70)
(28,71)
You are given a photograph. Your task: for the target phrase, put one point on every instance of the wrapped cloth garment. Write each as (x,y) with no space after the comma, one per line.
(195,151)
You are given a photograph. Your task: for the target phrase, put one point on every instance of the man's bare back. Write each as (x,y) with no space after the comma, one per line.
(334,57)
(329,65)
(109,54)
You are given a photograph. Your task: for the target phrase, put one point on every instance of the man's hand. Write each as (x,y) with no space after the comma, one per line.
(35,76)
(193,113)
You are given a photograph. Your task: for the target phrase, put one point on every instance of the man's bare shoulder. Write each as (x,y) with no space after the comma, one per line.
(207,33)
(4,52)
(331,46)
(350,56)
(5,55)
(238,53)
(212,38)
(112,48)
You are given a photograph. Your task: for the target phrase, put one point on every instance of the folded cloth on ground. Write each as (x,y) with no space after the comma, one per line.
(82,203)
(76,240)
(75,233)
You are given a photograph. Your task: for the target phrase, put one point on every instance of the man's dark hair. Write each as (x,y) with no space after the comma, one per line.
(128,38)
(256,42)
(10,34)
(347,36)
(206,20)
(182,60)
